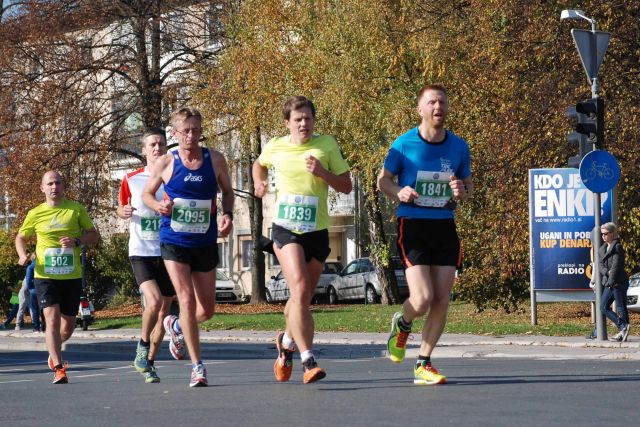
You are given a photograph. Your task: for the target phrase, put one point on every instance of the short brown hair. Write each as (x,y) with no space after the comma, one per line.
(435,86)
(297,103)
(183,114)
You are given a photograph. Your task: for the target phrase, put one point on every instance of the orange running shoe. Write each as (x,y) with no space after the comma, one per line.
(60,375)
(284,363)
(312,372)
(52,366)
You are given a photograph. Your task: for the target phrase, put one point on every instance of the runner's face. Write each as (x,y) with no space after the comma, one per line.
(154,147)
(188,132)
(433,107)
(52,186)
(300,124)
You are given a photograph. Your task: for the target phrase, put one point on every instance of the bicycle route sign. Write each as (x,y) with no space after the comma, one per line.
(599,171)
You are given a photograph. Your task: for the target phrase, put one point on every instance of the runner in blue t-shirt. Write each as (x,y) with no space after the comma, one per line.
(433,170)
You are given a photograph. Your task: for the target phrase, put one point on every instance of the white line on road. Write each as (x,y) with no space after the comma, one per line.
(12,370)
(16,381)
(91,375)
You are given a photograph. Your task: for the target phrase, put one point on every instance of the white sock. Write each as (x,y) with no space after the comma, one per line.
(306,355)
(287,342)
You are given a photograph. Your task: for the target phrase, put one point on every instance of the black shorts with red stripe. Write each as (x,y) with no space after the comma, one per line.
(428,242)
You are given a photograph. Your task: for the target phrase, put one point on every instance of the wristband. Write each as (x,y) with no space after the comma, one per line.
(228,213)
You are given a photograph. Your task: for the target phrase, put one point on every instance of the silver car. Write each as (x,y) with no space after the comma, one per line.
(227,290)
(633,294)
(277,289)
(359,281)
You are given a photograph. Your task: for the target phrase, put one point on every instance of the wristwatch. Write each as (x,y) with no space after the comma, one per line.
(77,241)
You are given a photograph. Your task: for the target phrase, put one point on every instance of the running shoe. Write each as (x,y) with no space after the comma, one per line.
(52,366)
(198,376)
(140,362)
(60,375)
(425,374)
(397,340)
(177,347)
(284,363)
(617,337)
(312,372)
(151,376)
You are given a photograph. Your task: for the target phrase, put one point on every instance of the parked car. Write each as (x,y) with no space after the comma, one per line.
(278,290)
(359,281)
(227,290)
(633,294)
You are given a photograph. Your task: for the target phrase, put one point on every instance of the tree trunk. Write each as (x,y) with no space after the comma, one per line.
(380,254)
(256,216)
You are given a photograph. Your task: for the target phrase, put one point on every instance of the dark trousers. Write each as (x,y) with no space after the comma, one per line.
(619,295)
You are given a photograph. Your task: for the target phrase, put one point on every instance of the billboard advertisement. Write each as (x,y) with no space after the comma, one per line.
(561,219)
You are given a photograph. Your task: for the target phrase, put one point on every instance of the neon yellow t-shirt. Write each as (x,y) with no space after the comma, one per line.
(50,223)
(301,204)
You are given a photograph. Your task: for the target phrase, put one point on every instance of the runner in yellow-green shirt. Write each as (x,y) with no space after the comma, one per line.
(61,227)
(305,166)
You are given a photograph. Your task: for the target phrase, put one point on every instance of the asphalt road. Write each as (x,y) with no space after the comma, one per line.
(104,390)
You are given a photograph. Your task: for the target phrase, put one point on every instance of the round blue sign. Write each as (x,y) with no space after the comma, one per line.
(599,171)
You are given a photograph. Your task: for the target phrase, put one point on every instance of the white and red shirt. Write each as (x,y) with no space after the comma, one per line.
(144,228)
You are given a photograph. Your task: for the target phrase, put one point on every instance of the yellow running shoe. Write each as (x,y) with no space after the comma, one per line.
(425,374)
(397,340)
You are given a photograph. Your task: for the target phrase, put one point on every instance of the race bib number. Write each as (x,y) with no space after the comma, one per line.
(297,213)
(149,225)
(433,189)
(59,261)
(190,216)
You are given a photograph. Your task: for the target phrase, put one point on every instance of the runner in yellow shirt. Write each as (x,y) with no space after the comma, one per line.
(305,166)
(61,227)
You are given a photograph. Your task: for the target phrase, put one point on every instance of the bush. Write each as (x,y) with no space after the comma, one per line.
(10,271)
(108,271)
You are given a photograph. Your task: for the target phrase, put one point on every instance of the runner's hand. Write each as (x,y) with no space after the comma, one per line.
(458,188)
(23,261)
(127,210)
(407,195)
(165,207)
(226,225)
(260,188)
(67,242)
(314,166)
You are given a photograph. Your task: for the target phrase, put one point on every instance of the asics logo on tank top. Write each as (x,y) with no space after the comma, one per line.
(193,178)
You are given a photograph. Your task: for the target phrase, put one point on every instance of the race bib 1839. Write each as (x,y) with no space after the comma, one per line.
(297,213)
(433,189)
(190,215)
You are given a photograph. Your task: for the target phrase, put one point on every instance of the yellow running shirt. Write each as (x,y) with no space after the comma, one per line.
(301,197)
(50,223)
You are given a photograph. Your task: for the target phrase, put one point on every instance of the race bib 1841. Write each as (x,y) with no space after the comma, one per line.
(433,189)
(297,213)
(190,215)
(59,261)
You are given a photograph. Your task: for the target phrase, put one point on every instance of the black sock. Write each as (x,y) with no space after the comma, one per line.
(150,362)
(404,325)
(145,343)
(58,366)
(423,360)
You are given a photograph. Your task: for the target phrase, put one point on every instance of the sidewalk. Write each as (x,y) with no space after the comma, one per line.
(348,345)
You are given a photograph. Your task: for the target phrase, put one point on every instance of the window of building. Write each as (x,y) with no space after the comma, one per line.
(246,249)
(223,255)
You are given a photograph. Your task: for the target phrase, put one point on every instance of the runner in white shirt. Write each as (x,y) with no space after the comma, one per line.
(144,254)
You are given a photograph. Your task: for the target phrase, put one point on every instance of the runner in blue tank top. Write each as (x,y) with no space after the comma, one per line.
(433,170)
(189,231)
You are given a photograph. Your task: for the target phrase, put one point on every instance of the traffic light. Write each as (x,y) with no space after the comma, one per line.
(588,117)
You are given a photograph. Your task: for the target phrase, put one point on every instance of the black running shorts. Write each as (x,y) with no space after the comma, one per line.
(315,243)
(146,268)
(428,242)
(200,259)
(65,293)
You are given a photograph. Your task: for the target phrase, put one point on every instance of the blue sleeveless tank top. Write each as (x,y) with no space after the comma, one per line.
(195,208)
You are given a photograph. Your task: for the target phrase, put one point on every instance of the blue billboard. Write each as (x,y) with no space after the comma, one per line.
(561,219)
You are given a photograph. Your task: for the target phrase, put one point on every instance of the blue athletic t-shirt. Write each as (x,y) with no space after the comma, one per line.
(415,160)
(193,221)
